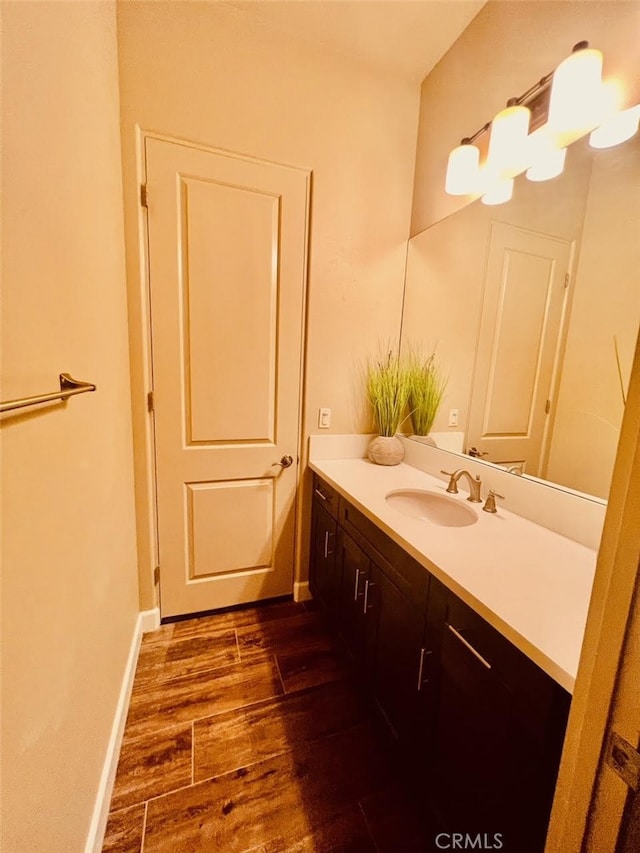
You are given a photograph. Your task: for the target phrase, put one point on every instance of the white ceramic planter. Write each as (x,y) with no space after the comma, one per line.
(386,450)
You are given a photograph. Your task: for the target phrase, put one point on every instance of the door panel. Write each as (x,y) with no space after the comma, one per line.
(216,508)
(230,268)
(518,346)
(227,253)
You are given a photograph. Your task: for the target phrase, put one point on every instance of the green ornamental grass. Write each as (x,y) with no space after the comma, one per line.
(426,390)
(388,391)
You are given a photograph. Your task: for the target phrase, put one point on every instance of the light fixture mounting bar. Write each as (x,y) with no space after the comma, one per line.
(528,99)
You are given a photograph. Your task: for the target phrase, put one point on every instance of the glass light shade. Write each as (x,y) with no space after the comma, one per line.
(463,170)
(545,157)
(575,101)
(507,155)
(499,192)
(618,128)
(549,167)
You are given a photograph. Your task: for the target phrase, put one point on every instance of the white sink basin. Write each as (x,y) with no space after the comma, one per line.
(432,507)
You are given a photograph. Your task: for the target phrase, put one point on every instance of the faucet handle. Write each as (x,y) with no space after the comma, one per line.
(490,503)
(452,488)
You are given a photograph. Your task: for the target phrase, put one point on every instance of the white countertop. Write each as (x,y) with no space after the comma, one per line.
(528,582)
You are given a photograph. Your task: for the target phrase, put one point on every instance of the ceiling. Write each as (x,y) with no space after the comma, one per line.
(404,37)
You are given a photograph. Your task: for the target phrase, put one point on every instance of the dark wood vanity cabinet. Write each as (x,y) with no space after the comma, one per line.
(399,672)
(357,618)
(499,728)
(325,576)
(477,724)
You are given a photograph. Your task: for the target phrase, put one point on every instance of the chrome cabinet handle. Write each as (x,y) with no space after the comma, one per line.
(327,552)
(356,589)
(367,586)
(423,654)
(285,462)
(464,642)
(315,491)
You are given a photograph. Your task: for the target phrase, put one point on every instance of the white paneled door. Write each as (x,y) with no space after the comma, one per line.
(519,345)
(227,256)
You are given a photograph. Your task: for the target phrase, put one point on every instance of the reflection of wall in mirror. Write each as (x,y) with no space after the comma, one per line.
(605,313)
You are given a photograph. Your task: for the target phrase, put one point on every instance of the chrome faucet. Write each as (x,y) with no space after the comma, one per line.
(474,484)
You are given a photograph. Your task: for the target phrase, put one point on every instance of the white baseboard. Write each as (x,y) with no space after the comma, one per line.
(150,620)
(301,591)
(98,825)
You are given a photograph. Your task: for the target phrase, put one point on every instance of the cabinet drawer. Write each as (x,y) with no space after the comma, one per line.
(326,495)
(407,574)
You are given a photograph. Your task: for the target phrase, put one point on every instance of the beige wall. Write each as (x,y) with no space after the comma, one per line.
(200,71)
(68,536)
(507,47)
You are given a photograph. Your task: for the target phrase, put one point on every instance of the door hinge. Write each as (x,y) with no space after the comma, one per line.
(144,195)
(566,279)
(150,401)
(156,575)
(625,760)
(547,407)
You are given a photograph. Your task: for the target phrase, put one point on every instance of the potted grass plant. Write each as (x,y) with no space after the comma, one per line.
(388,392)
(426,390)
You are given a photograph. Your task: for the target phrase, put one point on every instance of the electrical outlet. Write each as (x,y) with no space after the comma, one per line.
(453,417)
(324,418)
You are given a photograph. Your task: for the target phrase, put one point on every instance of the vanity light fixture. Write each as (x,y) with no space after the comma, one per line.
(575,100)
(546,158)
(507,155)
(499,192)
(620,127)
(463,169)
(532,133)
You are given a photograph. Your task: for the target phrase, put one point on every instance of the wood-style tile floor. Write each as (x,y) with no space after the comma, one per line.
(245,733)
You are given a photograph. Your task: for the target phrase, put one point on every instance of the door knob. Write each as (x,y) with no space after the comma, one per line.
(285,462)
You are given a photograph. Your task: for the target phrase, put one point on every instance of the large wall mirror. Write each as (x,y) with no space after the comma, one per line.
(533,308)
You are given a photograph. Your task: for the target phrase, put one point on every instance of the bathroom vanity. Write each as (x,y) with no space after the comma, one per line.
(466,637)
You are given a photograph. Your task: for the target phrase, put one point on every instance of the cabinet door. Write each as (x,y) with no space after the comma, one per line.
(487,772)
(359,611)
(400,671)
(324,577)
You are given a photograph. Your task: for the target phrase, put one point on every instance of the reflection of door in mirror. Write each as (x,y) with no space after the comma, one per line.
(519,340)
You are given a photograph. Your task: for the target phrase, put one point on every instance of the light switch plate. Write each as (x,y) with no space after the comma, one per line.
(324,418)
(453,417)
